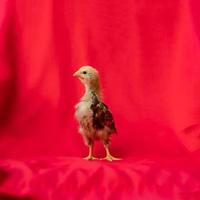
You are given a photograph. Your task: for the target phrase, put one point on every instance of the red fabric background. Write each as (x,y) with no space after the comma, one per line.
(147,53)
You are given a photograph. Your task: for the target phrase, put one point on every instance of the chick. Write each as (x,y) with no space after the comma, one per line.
(95,120)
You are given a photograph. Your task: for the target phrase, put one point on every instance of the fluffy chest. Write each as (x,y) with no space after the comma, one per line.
(83,110)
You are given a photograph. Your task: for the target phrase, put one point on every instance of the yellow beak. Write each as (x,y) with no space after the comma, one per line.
(76,74)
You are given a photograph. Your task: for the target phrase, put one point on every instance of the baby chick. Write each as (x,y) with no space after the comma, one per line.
(95,119)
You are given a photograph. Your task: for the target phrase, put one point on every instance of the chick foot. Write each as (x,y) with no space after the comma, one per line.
(110,158)
(90,158)
(90,155)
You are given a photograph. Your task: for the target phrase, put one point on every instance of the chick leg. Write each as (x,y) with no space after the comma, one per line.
(109,157)
(90,156)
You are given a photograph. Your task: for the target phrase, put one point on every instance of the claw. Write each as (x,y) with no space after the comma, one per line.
(111,158)
(90,158)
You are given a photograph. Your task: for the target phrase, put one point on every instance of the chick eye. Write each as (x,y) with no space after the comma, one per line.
(84,72)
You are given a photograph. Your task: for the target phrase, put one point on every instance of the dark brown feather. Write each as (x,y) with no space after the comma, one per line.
(102,117)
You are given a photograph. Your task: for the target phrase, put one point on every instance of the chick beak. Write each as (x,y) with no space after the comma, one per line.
(76,74)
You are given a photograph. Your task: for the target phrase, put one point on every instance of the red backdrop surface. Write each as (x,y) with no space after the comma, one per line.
(147,53)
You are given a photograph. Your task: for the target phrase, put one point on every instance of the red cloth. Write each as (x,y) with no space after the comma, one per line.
(147,53)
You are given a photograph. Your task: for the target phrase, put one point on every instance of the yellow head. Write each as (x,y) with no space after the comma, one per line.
(89,76)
